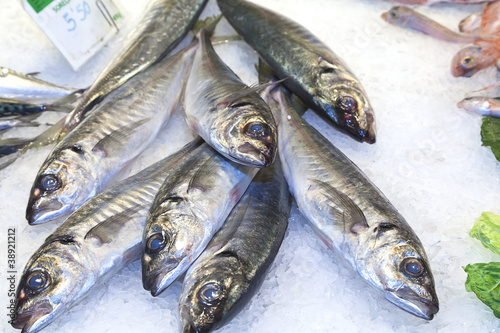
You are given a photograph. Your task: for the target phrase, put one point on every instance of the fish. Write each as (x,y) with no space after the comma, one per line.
(408,18)
(10,146)
(352,216)
(113,135)
(230,116)
(310,69)
(471,59)
(11,107)
(95,242)
(482,105)
(18,121)
(232,267)
(189,208)
(471,23)
(28,88)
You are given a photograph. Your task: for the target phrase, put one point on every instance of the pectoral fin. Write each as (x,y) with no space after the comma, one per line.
(111,142)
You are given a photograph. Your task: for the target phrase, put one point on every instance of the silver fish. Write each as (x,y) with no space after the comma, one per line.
(11,107)
(352,217)
(482,105)
(310,69)
(228,115)
(91,155)
(96,241)
(232,267)
(189,208)
(26,87)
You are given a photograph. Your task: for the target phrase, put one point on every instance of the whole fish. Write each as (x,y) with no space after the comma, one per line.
(96,241)
(228,115)
(26,87)
(352,217)
(482,105)
(232,267)
(188,210)
(115,133)
(310,69)
(11,107)
(408,18)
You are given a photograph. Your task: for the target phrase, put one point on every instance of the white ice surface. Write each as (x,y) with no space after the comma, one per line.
(428,160)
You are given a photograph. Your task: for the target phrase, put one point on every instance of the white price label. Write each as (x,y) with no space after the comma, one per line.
(78,28)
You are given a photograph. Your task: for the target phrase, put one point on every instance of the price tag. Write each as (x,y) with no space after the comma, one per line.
(78,28)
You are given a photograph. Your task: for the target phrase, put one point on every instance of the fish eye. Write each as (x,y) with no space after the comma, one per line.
(210,294)
(394,13)
(37,280)
(156,243)
(348,104)
(50,183)
(412,267)
(468,62)
(256,129)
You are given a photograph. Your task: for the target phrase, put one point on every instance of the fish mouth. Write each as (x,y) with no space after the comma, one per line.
(157,282)
(32,320)
(189,327)
(38,213)
(411,302)
(254,156)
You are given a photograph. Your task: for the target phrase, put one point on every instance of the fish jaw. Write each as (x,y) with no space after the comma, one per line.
(411,302)
(34,320)
(41,211)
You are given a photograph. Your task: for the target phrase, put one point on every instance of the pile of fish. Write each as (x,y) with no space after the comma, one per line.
(218,209)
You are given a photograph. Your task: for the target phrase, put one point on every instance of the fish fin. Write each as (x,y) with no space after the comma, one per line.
(343,207)
(65,104)
(199,179)
(107,231)
(265,72)
(114,139)
(209,24)
(34,74)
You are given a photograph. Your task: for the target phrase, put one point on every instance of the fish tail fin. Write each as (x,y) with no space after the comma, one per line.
(54,133)
(208,25)
(65,104)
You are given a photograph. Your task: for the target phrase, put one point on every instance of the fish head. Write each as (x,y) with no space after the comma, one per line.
(247,133)
(475,104)
(345,103)
(398,15)
(65,181)
(471,59)
(397,266)
(171,243)
(210,291)
(51,283)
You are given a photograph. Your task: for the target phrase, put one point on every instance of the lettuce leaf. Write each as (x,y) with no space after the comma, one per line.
(490,134)
(487,230)
(484,281)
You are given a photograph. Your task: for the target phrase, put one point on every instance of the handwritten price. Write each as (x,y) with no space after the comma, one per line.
(82,10)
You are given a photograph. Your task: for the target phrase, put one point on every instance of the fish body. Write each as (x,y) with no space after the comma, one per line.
(230,270)
(482,105)
(25,87)
(96,241)
(227,114)
(188,210)
(352,217)
(11,107)
(115,133)
(408,18)
(310,69)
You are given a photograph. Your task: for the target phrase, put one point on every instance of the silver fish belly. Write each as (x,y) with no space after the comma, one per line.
(230,270)
(352,217)
(96,241)
(188,210)
(90,156)
(310,69)
(227,114)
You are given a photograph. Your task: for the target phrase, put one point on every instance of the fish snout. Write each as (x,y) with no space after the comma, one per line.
(40,209)
(423,307)
(26,319)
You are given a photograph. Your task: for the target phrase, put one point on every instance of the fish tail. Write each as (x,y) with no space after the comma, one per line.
(208,25)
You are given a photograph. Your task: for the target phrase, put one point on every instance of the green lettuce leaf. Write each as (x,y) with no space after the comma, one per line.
(490,134)
(484,281)
(487,230)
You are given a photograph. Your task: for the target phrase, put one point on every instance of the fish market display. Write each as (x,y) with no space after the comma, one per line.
(232,267)
(26,87)
(310,69)
(115,133)
(482,105)
(227,114)
(408,18)
(95,242)
(353,218)
(188,210)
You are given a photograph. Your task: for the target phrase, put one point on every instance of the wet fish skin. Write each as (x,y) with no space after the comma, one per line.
(352,217)
(408,18)
(228,115)
(482,105)
(96,241)
(234,264)
(188,210)
(10,107)
(312,71)
(25,87)
(91,155)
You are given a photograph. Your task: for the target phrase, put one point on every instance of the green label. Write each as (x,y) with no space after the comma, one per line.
(39,5)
